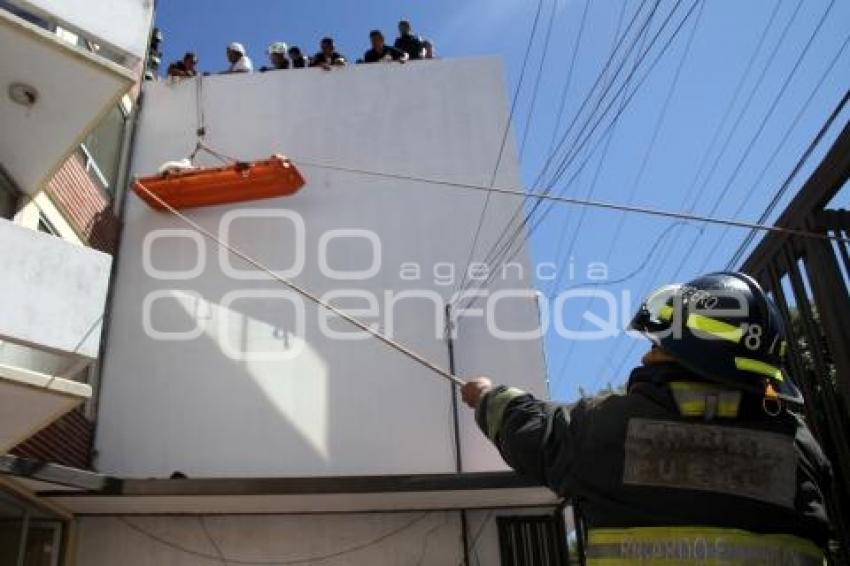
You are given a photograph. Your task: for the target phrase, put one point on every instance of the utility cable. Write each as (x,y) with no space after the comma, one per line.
(776,151)
(576,201)
(504,141)
(538,181)
(506,248)
(321,558)
(787,183)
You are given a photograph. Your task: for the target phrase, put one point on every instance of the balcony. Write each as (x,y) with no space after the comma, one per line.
(54,294)
(54,88)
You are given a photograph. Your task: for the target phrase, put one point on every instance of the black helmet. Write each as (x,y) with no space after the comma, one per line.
(723,327)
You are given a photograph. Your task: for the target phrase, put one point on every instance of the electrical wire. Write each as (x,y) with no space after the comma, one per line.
(536,90)
(506,249)
(568,81)
(575,201)
(538,181)
(307,560)
(774,104)
(691,194)
(621,221)
(563,257)
(505,134)
(775,153)
(784,187)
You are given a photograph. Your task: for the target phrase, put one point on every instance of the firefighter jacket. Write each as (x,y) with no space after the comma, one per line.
(677,470)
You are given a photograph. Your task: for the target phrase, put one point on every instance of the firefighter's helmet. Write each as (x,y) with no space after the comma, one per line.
(724,327)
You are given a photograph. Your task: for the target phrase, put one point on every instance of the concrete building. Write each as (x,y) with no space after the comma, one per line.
(67,100)
(236,422)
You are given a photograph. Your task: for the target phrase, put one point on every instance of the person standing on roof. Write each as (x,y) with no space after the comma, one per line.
(408,42)
(705,459)
(327,56)
(298,59)
(239,61)
(428,49)
(380,52)
(184,68)
(277,57)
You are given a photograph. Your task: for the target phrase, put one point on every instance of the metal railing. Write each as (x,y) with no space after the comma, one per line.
(808,279)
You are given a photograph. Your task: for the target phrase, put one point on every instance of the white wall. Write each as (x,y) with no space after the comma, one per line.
(401,539)
(123,25)
(337,407)
(54,293)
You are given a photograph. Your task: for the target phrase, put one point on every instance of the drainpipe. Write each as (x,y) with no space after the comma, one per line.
(120,210)
(464,523)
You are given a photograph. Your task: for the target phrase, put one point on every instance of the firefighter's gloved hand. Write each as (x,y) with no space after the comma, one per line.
(474,390)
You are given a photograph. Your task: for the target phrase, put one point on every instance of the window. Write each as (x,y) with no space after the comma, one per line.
(27,535)
(532,541)
(102,148)
(45,226)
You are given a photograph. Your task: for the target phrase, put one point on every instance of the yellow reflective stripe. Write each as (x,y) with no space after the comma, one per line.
(732,539)
(755,366)
(691,399)
(715,327)
(496,406)
(707,324)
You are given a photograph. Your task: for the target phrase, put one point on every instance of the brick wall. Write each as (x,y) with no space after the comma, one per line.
(67,441)
(84,204)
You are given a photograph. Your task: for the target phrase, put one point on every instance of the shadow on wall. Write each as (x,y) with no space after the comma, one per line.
(252,395)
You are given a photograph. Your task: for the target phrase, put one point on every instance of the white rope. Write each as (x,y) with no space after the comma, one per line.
(303,292)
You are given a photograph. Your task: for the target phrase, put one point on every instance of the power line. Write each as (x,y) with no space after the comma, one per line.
(506,247)
(307,560)
(774,104)
(565,136)
(758,133)
(536,90)
(775,153)
(727,113)
(575,201)
(635,184)
(563,257)
(504,141)
(787,183)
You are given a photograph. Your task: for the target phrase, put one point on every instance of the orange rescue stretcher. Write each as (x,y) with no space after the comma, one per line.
(274,177)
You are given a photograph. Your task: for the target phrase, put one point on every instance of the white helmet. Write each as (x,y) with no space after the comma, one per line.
(278,47)
(237,47)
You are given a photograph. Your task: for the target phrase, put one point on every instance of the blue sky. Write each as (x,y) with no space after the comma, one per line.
(725,34)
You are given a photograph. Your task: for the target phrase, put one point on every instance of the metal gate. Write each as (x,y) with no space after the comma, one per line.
(808,278)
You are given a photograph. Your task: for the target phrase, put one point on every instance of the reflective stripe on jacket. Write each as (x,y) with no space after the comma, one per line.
(673,451)
(666,546)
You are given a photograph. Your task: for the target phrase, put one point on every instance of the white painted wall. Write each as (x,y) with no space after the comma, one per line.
(53,296)
(337,407)
(123,25)
(74,87)
(430,538)
(400,539)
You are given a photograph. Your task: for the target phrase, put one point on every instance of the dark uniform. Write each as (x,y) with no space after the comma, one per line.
(680,470)
(320,59)
(388,54)
(410,44)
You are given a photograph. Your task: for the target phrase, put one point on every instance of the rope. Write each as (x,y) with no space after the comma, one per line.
(582,202)
(303,292)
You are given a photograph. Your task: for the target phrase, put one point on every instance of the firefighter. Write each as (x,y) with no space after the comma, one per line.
(705,459)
